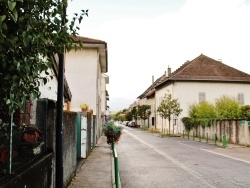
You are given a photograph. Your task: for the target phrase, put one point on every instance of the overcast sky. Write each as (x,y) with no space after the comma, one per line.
(144,37)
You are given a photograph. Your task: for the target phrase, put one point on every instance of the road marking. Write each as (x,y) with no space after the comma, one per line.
(188,145)
(217,153)
(234,158)
(196,175)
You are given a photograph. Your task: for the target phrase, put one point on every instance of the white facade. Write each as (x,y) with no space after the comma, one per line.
(187,93)
(104,81)
(82,71)
(201,79)
(49,90)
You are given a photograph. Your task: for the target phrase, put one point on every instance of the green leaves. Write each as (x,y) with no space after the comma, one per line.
(224,108)
(31,33)
(2,18)
(227,108)
(168,107)
(11,5)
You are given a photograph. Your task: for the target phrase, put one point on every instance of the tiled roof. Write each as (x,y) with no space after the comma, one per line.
(89,40)
(204,68)
(151,91)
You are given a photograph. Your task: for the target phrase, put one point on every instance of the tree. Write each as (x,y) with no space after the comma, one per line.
(144,112)
(117,116)
(134,113)
(227,108)
(128,116)
(169,107)
(205,113)
(31,34)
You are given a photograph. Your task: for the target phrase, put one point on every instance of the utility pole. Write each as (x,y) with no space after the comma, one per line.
(59,123)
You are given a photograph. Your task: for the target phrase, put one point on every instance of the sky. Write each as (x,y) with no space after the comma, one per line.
(145,37)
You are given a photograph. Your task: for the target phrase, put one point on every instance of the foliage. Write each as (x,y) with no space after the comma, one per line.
(112,132)
(119,116)
(169,107)
(192,110)
(169,135)
(31,34)
(205,113)
(245,110)
(84,106)
(227,108)
(143,111)
(128,116)
(188,123)
(134,113)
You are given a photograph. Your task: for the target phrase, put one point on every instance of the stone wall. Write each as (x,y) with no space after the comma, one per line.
(236,131)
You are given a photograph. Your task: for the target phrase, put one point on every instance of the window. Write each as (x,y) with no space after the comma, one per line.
(241,98)
(202,97)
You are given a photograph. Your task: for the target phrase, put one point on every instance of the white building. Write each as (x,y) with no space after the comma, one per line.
(203,78)
(83,70)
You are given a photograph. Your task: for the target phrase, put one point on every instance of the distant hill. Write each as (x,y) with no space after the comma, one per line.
(117,104)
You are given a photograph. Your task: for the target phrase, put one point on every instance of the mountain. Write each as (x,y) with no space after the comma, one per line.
(117,104)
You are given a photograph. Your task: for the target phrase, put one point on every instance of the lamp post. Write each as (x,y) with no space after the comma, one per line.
(59,117)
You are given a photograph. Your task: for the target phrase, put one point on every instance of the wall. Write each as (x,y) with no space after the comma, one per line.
(187,93)
(38,174)
(81,74)
(50,89)
(69,147)
(236,131)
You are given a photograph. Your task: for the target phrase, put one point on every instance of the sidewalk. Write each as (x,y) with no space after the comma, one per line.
(97,171)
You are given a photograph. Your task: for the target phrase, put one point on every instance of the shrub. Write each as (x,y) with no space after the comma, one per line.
(227,108)
(112,132)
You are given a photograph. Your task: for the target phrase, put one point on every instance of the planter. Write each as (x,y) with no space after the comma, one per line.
(112,132)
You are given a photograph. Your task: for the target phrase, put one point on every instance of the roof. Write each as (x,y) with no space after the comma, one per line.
(202,68)
(88,40)
(151,91)
(208,69)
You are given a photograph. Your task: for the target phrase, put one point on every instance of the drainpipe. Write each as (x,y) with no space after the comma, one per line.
(59,123)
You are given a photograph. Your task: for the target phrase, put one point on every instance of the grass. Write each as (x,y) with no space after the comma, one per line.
(169,135)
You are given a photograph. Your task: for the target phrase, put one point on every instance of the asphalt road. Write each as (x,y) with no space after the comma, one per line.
(149,161)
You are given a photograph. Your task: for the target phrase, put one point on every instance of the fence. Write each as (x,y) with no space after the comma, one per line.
(236,131)
(20,139)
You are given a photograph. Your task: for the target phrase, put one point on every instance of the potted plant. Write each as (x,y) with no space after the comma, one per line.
(112,132)
(84,107)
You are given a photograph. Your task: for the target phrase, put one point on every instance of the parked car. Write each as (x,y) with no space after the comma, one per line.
(132,124)
(125,123)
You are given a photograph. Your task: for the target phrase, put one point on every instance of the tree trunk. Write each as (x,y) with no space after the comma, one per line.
(169,126)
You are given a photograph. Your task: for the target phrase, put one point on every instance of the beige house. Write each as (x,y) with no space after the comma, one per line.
(203,78)
(84,71)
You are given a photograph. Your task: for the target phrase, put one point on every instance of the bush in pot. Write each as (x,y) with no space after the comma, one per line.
(112,132)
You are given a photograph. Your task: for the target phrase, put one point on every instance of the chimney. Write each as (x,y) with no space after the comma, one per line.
(153,80)
(167,73)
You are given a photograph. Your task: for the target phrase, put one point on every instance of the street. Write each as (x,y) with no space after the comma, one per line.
(147,160)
